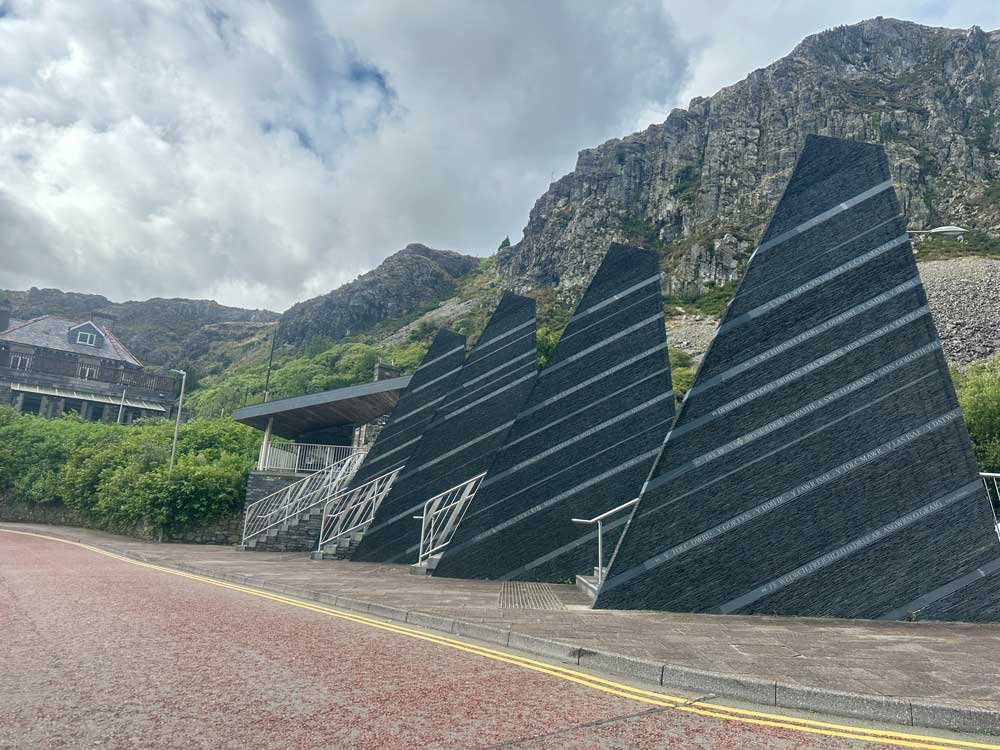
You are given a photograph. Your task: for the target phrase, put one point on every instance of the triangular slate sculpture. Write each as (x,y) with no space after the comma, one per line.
(469,427)
(429,387)
(819,466)
(585,439)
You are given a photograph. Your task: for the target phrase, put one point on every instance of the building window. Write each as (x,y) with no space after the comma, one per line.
(19,361)
(86,337)
(89,372)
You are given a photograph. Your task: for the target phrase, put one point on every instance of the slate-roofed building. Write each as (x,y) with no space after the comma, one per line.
(50,365)
(470,426)
(584,440)
(819,465)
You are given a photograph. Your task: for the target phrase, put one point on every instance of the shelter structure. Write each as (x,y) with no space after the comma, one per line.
(471,424)
(584,440)
(819,465)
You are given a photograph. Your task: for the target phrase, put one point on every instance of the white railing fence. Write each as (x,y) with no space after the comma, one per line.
(300,496)
(599,520)
(442,515)
(351,510)
(302,457)
(992,483)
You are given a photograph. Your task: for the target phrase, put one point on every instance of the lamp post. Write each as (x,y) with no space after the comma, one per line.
(177,422)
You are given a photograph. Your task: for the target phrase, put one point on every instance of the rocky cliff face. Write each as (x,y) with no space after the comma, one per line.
(700,186)
(404,283)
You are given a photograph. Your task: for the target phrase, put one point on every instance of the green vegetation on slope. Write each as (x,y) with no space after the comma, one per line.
(975,244)
(979,396)
(117,476)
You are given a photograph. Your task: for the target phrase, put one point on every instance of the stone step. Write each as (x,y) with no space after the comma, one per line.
(588,585)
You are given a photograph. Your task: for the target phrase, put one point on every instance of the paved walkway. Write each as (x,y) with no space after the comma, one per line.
(946,663)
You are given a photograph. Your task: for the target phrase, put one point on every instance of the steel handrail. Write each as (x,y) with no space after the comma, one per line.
(293,499)
(437,529)
(357,504)
(993,498)
(599,520)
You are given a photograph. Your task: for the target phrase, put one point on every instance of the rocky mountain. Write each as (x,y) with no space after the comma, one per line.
(699,187)
(406,283)
(160,332)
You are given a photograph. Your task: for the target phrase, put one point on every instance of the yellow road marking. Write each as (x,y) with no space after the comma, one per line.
(745,716)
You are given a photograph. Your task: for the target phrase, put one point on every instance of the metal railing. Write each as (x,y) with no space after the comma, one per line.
(353,509)
(599,520)
(442,515)
(74,367)
(992,483)
(299,497)
(302,457)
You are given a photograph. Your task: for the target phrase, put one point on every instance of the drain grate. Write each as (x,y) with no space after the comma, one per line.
(527,595)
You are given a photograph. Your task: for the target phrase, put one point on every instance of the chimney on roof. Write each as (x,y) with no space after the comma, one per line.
(4,314)
(386,372)
(102,319)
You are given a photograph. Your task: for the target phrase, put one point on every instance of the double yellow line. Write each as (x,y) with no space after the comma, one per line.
(660,700)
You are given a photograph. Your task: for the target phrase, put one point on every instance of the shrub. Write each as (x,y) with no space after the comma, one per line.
(118,476)
(979,395)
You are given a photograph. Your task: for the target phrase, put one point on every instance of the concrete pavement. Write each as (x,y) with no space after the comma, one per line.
(929,674)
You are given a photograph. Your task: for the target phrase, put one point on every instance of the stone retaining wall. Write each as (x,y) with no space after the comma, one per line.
(226,530)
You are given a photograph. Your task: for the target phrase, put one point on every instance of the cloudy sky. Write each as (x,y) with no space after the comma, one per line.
(259,153)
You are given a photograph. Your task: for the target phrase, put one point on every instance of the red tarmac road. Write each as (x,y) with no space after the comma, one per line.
(100,652)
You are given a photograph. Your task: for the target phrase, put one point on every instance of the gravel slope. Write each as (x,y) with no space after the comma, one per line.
(965,298)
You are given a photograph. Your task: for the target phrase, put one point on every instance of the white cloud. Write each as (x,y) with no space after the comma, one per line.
(261,152)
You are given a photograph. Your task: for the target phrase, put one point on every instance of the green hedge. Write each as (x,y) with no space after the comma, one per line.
(117,476)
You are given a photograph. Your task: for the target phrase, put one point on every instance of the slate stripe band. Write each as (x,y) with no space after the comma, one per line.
(425,365)
(826,215)
(590,381)
(553,500)
(850,548)
(586,407)
(611,300)
(559,551)
(584,463)
(784,498)
(654,298)
(584,435)
(480,345)
(388,453)
(788,296)
(643,512)
(787,419)
(801,372)
(776,276)
(495,393)
(806,335)
(942,591)
(601,344)
(419,409)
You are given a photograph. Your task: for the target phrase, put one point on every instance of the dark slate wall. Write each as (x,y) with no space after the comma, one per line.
(585,439)
(819,465)
(469,427)
(429,387)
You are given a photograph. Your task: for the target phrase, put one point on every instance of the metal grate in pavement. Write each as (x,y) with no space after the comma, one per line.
(528,595)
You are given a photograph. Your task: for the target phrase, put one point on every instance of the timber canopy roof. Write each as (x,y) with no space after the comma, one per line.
(355,405)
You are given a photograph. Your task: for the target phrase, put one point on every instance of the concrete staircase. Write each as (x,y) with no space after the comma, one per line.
(343,549)
(298,534)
